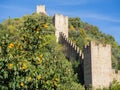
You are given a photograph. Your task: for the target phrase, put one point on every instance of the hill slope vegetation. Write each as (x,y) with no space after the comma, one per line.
(31,59)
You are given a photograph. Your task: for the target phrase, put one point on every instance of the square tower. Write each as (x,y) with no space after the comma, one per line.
(41,9)
(97,65)
(61,25)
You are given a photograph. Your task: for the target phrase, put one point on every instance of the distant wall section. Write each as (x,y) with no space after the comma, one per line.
(72,52)
(95,66)
(61,25)
(41,9)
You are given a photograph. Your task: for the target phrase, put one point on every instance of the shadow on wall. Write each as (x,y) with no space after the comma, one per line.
(74,54)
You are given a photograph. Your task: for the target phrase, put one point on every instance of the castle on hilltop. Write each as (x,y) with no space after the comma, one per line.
(96,64)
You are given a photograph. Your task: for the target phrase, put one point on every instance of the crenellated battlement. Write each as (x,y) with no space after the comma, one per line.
(95,44)
(99,44)
(98,60)
(95,59)
(75,51)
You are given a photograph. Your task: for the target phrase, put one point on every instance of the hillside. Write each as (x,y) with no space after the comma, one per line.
(81,33)
(31,58)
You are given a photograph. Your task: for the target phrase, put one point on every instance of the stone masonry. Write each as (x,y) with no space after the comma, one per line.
(61,25)
(97,65)
(41,9)
(72,52)
(96,58)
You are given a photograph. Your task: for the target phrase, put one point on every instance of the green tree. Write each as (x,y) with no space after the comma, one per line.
(33,59)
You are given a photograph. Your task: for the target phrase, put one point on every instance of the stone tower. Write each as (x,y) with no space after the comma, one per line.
(41,9)
(97,65)
(61,25)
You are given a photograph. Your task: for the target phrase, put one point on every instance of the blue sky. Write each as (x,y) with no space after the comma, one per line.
(103,13)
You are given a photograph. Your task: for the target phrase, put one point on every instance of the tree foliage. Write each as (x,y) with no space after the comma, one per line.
(31,59)
(84,32)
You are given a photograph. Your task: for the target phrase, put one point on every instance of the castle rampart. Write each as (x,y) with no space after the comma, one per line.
(97,65)
(72,51)
(61,25)
(95,61)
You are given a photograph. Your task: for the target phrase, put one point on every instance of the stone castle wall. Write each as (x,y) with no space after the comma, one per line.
(72,52)
(61,25)
(41,9)
(87,66)
(98,60)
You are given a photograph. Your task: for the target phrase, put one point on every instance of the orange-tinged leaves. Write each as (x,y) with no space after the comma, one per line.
(21,47)
(10,65)
(24,66)
(72,27)
(41,56)
(22,84)
(11,45)
(45,26)
(29,78)
(55,83)
(56,79)
(39,77)
(37,29)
